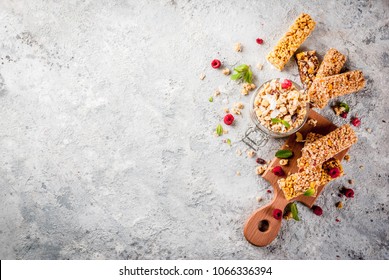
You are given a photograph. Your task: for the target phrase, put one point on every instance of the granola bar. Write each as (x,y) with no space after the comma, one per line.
(316,153)
(333,62)
(323,89)
(325,170)
(308,64)
(291,41)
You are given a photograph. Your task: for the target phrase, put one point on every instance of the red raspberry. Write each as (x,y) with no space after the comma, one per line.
(259,41)
(317,210)
(286,84)
(277,214)
(334,172)
(344,115)
(349,193)
(216,63)
(277,170)
(228,119)
(356,122)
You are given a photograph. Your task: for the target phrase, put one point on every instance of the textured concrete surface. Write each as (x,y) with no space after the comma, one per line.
(106,133)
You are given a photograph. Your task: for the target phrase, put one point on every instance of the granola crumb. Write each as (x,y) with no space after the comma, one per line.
(237,173)
(250,153)
(238,47)
(347,157)
(351,181)
(361,167)
(236,111)
(259,199)
(217,92)
(244,91)
(288,215)
(238,152)
(226,110)
(239,105)
(259,170)
(299,137)
(225,131)
(226,71)
(202,76)
(284,162)
(312,122)
(339,205)
(368,130)
(259,66)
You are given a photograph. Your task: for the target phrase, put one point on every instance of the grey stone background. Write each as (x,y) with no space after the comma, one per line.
(106,132)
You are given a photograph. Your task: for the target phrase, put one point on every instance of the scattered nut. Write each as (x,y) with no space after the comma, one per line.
(250,153)
(202,76)
(239,105)
(226,71)
(351,181)
(238,152)
(237,173)
(259,66)
(238,47)
(346,157)
(299,137)
(236,111)
(312,122)
(259,199)
(361,167)
(226,110)
(284,162)
(217,92)
(368,130)
(259,170)
(244,91)
(339,205)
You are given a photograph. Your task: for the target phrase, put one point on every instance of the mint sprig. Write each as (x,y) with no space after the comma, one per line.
(219,130)
(295,212)
(243,72)
(285,123)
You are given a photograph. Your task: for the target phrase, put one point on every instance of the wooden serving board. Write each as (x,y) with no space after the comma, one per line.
(262,228)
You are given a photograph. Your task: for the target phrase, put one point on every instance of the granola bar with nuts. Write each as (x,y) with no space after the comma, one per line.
(323,89)
(333,62)
(291,41)
(308,64)
(326,147)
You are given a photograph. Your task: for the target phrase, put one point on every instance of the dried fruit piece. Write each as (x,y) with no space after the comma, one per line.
(216,63)
(334,172)
(284,153)
(259,41)
(268,191)
(228,119)
(339,205)
(344,115)
(260,161)
(286,84)
(299,137)
(317,210)
(356,122)
(277,170)
(349,193)
(277,214)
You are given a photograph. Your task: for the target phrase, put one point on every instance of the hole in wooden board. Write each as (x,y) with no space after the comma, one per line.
(263,225)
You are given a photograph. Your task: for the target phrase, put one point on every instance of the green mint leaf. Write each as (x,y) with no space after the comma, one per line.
(229,142)
(284,154)
(345,106)
(241,68)
(210,99)
(275,120)
(285,123)
(295,212)
(310,192)
(219,130)
(236,76)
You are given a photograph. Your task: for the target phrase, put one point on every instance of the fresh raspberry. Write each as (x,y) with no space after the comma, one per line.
(216,63)
(356,122)
(344,115)
(317,210)
(260,161)
(277,214)
(286,84)
(334,172)
(228,119)
(259,41)
(349,193)
(277,170)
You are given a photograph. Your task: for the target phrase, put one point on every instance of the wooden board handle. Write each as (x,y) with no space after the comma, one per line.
(262,228)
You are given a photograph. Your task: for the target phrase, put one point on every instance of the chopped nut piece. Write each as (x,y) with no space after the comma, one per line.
(238,152)
(236,111)
(250,153)
(259,199)
(351,181)
(226,71)
(312,122)
(291,41)
(239,105)
(202,76)
(259,66)
(238,47)
(299,137)
(259,170)
(244,91)
(217,92)
(368,130)
(347,157)
(237,173)
(226,110)
(284,162)
(252,86)
(339,205)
